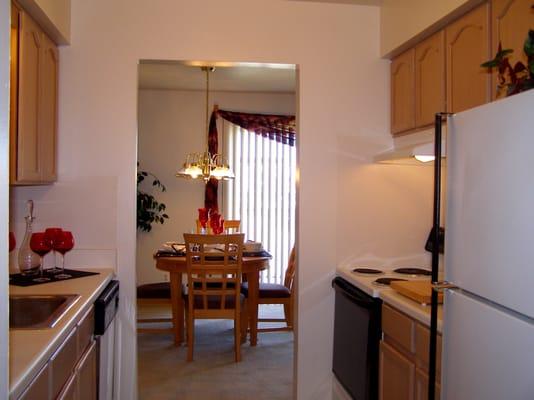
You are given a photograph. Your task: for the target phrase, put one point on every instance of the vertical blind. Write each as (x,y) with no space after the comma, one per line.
(262,195)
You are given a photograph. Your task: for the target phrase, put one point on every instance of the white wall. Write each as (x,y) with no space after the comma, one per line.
(403,20)
(343,93)
(4,195)
(172,124)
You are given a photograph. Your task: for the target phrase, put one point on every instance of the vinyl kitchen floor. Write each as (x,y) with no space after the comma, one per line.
(265,372)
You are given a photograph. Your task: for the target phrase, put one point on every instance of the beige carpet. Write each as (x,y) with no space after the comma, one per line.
(266,371)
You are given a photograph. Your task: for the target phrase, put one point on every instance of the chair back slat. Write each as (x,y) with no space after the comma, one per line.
(214,270)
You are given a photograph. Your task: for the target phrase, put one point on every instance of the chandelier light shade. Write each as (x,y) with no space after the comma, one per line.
(204,165)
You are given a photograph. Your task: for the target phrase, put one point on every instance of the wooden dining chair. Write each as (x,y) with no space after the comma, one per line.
(233,224)
(273,293)
(214,272)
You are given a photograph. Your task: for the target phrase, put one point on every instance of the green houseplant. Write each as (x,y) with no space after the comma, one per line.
(149,210)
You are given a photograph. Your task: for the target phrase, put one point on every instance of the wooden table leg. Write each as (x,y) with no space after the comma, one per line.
(177,307)
(253,278)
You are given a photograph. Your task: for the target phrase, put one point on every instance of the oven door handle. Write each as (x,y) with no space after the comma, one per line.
(353,294)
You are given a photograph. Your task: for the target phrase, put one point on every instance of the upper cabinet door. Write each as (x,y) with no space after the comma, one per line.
(511,21)
(30,52)
(467,40)
(48,110)
(429,79)
(402,92)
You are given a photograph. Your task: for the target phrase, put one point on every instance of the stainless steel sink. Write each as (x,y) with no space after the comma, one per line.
(38,311)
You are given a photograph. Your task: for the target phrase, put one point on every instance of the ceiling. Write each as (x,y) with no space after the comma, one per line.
(242,77)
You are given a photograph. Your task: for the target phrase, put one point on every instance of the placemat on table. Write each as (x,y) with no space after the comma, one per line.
(24,280)
(262,253)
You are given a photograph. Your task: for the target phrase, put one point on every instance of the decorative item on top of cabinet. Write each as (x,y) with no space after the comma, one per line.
(402,92)
(510,21)
(467,47)
(34,80)
(429,79)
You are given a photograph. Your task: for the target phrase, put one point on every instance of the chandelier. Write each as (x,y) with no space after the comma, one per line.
(204,164)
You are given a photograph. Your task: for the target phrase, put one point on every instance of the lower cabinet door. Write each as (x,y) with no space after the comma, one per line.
(69,390)
(421,386)
(397,375)
(86,375)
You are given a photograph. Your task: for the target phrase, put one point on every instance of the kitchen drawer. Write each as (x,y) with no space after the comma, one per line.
(422,343)
(38,388)
(62,362)
(398,327)
(85,329)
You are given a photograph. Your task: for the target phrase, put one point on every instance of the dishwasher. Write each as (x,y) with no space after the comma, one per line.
(357,332)
(106,306)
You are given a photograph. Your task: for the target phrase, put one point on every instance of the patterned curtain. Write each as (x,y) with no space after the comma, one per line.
(276,127)
(210,195)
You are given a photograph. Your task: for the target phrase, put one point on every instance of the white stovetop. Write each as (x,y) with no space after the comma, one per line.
(390,296)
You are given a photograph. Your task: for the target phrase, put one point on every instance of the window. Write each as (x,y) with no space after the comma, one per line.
(262,195)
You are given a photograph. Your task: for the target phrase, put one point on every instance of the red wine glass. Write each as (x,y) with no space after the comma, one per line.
(64,244)
(215,221)
(52,234)
(42,247)
(12,241)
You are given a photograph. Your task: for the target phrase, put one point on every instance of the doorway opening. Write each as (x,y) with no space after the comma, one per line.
(171,124)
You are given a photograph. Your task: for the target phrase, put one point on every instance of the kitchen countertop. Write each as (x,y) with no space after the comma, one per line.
(29,350)
(413,309)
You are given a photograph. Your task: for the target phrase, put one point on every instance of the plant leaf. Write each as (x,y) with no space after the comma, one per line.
(528,47)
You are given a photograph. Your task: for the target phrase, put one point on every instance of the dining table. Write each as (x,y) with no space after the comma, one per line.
(177,267)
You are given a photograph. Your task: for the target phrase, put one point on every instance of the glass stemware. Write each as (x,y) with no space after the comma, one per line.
(41,246)
(63,244)
(52,234)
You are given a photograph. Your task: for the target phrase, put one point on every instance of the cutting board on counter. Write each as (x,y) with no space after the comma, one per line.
(419,291)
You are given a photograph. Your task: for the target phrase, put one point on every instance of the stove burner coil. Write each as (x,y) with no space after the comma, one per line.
(413,271)
(367,271)
(387,281)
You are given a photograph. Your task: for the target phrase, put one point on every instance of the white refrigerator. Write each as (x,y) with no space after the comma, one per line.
(488,326)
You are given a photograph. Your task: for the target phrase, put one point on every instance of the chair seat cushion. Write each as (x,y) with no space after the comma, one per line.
(160,290)
(214,301)
(269,290)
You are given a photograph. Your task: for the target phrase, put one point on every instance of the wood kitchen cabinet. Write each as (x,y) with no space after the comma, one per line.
(402,92)
(34,82)
(510,21)
(418,85)
(71,372)
(397,374)
(421,386)
(404,357)
(467,46)
(429,79)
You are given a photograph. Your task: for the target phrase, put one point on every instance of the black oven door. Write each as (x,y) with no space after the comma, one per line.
(357,334)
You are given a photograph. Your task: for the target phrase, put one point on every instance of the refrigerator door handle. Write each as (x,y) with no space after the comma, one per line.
(441,286)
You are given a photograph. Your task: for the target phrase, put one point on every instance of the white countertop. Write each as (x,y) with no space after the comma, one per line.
(389,296)
(29,350)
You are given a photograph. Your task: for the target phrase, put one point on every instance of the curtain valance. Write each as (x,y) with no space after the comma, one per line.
(276,127)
